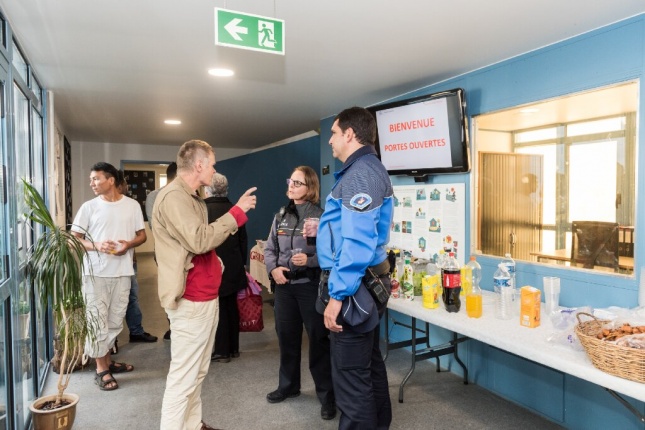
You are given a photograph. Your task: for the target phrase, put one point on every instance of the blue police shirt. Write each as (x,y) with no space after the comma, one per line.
(355,227)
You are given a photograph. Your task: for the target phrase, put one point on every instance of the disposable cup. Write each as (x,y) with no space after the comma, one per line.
(310,230)
(551,294)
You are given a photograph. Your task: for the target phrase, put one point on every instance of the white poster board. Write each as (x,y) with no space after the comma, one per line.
(428,218)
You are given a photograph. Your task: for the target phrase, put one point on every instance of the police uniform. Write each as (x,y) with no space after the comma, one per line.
(352,235)
(294,304)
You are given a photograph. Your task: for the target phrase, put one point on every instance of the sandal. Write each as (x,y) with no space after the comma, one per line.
(108,384)
(120,367)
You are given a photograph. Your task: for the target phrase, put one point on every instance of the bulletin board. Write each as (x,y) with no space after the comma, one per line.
(428,218)
(140,184)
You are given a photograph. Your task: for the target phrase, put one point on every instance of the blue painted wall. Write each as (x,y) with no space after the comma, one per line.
(267,170)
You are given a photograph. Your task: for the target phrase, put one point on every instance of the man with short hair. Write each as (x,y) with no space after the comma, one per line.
(110,226)
(189,276)
(352,235)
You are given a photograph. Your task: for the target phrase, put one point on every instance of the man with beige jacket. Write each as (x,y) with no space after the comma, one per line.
(189,276)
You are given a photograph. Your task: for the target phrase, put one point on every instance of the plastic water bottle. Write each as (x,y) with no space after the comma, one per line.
(451,281)
(432,268)
(441,259)
(510,267)
(505,293)
(477,270)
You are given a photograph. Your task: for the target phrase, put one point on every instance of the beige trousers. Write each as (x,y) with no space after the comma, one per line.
(107,302)
(193,326)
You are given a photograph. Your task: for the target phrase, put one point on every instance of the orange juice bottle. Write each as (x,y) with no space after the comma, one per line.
(474,302)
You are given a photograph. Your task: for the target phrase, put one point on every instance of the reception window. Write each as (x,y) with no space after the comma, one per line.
(545,167)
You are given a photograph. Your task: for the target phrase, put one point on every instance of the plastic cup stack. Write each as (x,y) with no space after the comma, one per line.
(551,294)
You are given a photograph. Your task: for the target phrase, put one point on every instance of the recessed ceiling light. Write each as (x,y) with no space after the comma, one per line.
(172,122)
(222,73)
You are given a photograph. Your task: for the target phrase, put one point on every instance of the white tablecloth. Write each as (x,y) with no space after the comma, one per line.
(530,343)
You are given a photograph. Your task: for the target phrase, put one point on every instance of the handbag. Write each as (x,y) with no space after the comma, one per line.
(249,305)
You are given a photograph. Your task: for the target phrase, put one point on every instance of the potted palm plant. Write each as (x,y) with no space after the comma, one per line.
(55,265)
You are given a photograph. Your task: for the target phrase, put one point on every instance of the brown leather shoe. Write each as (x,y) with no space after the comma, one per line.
(207,427)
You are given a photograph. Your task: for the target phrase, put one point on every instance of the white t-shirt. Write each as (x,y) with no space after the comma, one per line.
(115,221)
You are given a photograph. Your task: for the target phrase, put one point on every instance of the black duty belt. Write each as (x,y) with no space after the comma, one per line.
(381,269)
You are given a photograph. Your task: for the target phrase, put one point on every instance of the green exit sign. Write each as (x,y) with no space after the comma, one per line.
(246,31)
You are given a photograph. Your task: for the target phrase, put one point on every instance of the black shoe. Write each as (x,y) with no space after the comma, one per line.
(277,397)
(145,337)
(167,335)
(328,411)
(235,354)
(220,358)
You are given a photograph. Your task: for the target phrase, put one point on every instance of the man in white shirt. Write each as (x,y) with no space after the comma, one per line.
(110,227)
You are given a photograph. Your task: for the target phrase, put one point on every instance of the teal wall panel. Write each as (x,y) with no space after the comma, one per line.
(267,170)
(531,385)
(589,406)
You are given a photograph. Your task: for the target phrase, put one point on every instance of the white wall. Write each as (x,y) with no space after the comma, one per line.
(86,154)
(494,141)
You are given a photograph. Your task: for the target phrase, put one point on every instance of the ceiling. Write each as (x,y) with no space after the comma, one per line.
(599,103)
(119,68)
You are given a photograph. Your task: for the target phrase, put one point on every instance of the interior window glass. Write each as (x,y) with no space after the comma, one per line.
(21,148)
(3,196)
(555,162)
(3,370)
(534,135)
(35,87)
(592,181)
(19,63)
(22,347)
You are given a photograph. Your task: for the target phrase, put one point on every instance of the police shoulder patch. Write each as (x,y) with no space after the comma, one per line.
(360,201)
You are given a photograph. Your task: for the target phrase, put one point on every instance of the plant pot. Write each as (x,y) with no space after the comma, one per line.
(55,419)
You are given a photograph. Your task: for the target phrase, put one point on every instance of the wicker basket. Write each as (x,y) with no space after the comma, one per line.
(622,361)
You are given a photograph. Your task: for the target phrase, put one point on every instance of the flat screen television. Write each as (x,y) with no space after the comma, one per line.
(424,135)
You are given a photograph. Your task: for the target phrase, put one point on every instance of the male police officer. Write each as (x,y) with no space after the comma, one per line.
(352,235)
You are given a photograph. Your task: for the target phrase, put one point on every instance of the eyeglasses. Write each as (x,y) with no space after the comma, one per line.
(296,184)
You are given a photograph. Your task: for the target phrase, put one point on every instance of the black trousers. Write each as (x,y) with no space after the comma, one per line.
(227,336)
(294,307)
(360,380)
